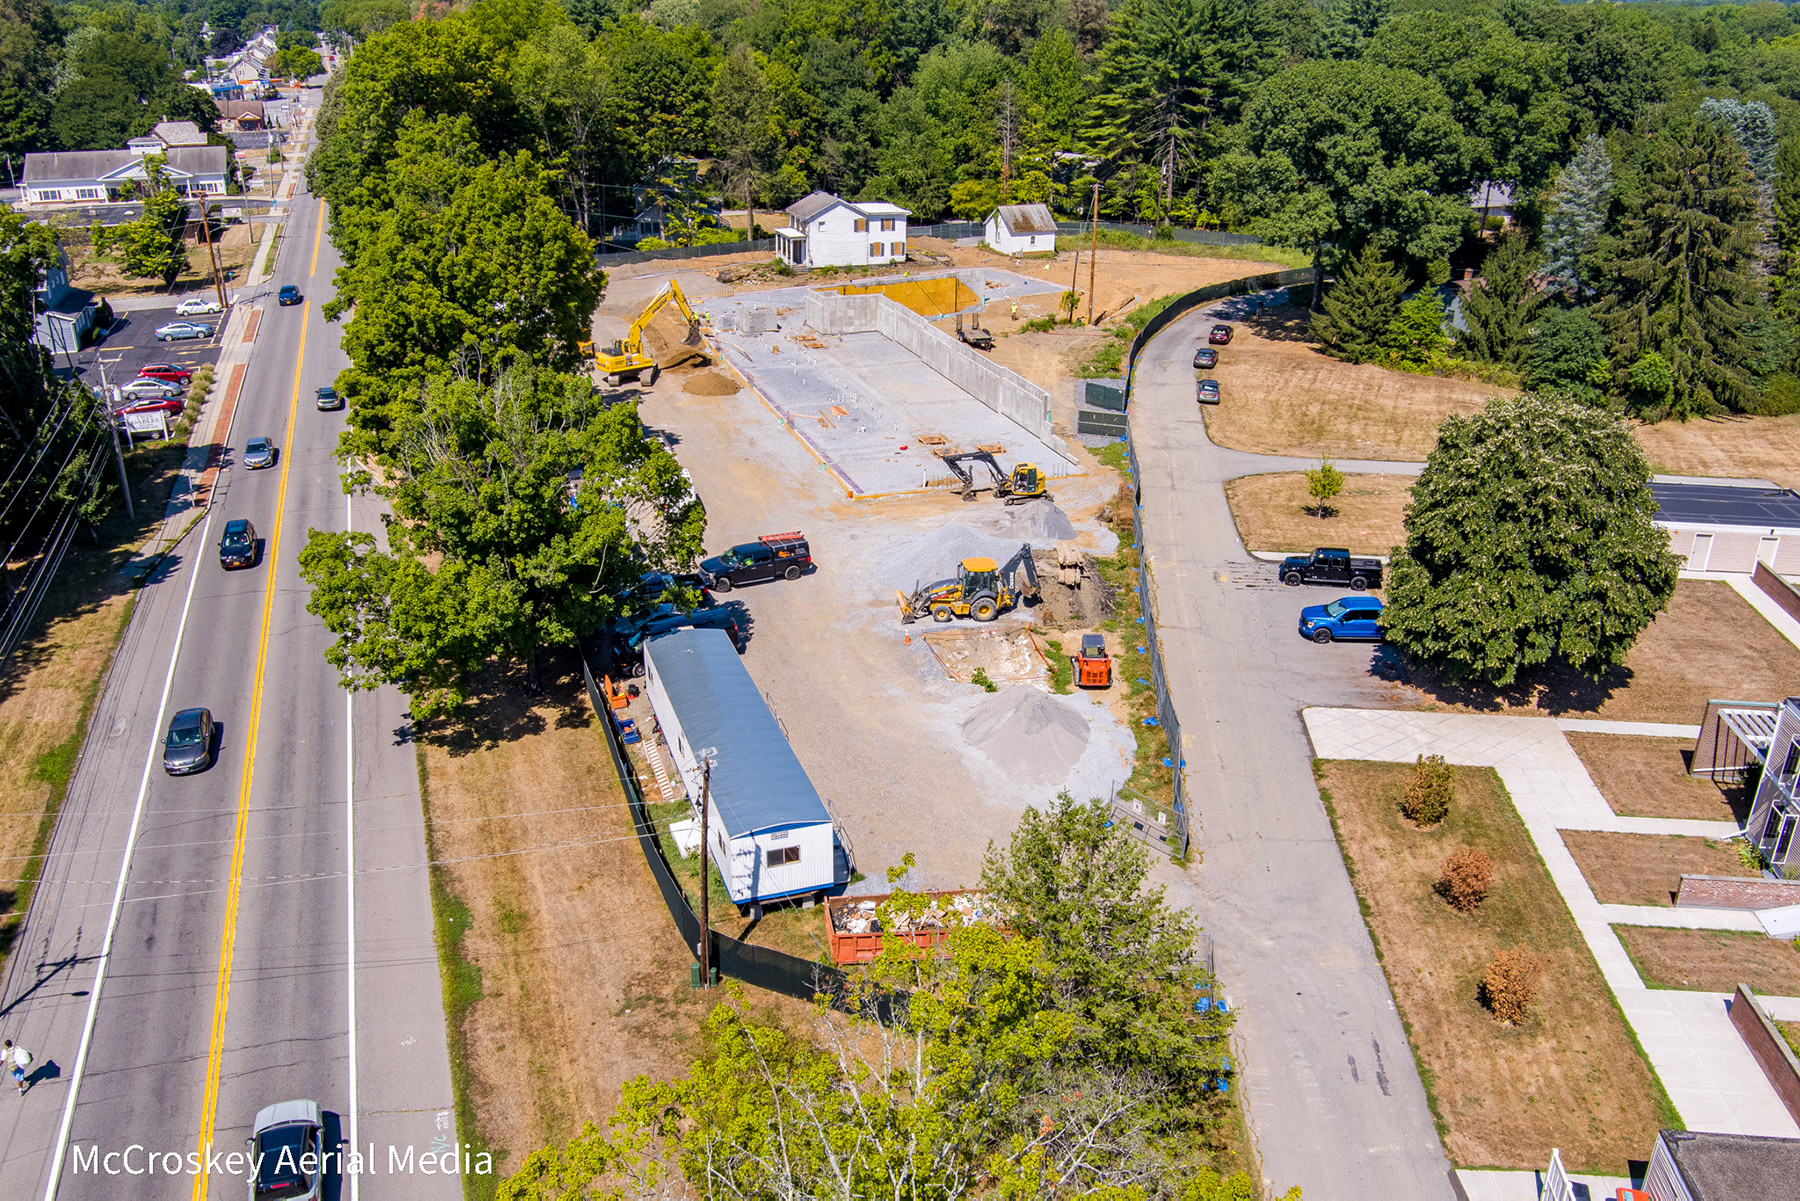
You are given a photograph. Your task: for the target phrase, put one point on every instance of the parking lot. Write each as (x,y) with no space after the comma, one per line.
(131,344)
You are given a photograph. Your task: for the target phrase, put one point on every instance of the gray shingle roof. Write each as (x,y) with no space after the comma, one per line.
(61,165)
(757,781)
(807,208)
(1735,1167)
(1027,218)
(179,133)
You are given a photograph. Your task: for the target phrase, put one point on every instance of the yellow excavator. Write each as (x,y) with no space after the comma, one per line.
(626,359)
(1025,482)
(982,589)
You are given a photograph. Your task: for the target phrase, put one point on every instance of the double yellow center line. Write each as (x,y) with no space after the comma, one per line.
(228,940)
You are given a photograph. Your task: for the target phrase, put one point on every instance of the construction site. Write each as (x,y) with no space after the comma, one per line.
(841,411)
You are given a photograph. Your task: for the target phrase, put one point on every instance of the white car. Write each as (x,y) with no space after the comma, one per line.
(193,306)
(144,386)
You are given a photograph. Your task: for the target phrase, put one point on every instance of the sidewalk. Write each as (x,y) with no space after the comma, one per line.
(1688,1037)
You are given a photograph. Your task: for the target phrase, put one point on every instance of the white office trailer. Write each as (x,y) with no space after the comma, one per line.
(770,833)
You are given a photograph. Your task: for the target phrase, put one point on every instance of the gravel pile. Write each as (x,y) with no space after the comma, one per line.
(1038,522)
(1031,734)
(936,555)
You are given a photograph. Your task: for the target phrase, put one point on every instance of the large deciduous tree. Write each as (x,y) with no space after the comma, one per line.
(1348,153)
(496,549)
(1500,308)
(28,41)
(1683,280)
(1576,218)
(741,129)
(1531,540)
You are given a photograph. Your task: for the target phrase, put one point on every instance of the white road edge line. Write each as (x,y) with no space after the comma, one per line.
(350,881)
(112,920)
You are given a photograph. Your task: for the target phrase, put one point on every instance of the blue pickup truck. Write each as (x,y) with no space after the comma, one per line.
(1346,617)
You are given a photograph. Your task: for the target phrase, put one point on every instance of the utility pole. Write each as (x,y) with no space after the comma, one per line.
(118,455)
(705,947)
(212,250)
(1094,254)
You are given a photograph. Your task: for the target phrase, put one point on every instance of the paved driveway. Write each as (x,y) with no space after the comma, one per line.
(1335,1103)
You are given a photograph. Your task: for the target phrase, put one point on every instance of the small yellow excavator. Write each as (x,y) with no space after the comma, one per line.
(626,359)
(982,589)
(1025,482)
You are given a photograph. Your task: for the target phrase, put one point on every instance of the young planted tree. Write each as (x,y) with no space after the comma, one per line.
(1684,272)
(1359,308)
(1323,484)
(1501,308)
(1464,879)
(1576,218)
(1531,540)
(1429,792)
(1509,987)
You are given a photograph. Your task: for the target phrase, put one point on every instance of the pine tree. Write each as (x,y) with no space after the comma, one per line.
(1576,219)
(1684,281)
(1784,289)
(1500,307)
(1345,27)
(1359,307)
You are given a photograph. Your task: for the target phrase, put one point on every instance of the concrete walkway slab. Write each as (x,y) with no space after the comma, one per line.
(1688,1037)
(1684,917)
(1643,729)
(1480,1185)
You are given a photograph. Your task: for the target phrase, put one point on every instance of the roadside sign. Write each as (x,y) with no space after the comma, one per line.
(155,421)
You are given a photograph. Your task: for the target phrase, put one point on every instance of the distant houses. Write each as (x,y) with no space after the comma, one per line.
(64,313)
(828,231)
(1021,229)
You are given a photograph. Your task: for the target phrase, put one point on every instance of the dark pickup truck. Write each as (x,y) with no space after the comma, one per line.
(1331,565)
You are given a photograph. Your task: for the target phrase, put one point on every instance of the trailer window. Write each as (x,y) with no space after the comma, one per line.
(779,856)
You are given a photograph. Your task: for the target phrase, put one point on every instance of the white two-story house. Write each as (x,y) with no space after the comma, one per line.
(828,231)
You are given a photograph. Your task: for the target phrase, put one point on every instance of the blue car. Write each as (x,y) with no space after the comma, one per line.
(1346,617)
(289,294)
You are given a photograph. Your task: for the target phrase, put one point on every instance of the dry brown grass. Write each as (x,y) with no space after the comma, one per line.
(1757,447)
(1709,643)
(1713,960)
(1274,513)
(1569,1076)
(1645,869)
(1647,777)
(48,690)
(1296,400)
(583,978)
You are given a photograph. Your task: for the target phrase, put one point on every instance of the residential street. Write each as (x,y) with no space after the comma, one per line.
(239,962)
(1334,1099)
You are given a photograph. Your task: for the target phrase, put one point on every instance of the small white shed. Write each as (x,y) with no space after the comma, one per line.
(1021,229)
(828,231)
(769,831)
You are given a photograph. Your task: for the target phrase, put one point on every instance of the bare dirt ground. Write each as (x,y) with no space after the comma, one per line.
(48,690)
(1285,396)
(236,249)
(1709,641)
(1645,869)
(1648,777)
(1749,447)
(1274,513)
(1713,960)
(1570,1076)
(583,981)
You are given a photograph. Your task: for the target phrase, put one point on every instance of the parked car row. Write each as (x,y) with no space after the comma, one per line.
(1355,617)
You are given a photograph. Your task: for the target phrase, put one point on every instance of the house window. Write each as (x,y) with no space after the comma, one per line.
(49,194)
(898,250)
(1792,763)
(87,193)
(887,225)
(861,225)
(874,250)
(782,856)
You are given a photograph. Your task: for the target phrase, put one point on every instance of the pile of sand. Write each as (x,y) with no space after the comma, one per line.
(1031,734)
(1038,522)
(710,383)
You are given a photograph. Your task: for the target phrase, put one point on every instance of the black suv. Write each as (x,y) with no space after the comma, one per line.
(784,555)
(237,548)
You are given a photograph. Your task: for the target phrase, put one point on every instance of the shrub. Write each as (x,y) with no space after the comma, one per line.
(1510,986)
(980,679)
(1467,875)
(1429,792)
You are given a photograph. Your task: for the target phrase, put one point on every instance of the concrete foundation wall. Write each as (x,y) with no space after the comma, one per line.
(1771,1051)
(1006,392)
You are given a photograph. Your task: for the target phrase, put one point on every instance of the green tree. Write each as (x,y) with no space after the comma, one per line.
(1345,27)
(1416,335)
(155,245)
(564,84)
(492,553)
(1500,308)
(1530,540)
(1784,286)
(1576,218)
(1358,309)
(1683,275)
(27,250)
(1350,153)
(1324,483)
(296,63)
(28,42)
(1568,356)
(741,130)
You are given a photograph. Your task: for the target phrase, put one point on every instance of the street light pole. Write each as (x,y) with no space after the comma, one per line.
(118,455)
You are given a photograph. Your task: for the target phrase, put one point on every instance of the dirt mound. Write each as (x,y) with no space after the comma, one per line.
(1038,522)
(710,383)
(936,554)
(663,339)
(1030,733)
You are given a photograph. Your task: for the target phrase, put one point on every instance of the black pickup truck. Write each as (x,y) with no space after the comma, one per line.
(1331,565)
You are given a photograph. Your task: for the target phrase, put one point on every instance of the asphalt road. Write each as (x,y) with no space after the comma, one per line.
(1334,1098)
(220,974)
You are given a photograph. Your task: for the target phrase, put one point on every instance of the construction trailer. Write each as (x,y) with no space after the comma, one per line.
(769,832)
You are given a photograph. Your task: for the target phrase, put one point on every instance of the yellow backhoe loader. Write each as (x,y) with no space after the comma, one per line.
(626,359)
(982,589)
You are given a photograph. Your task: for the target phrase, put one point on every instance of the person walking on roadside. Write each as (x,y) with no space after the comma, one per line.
(17,1060)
